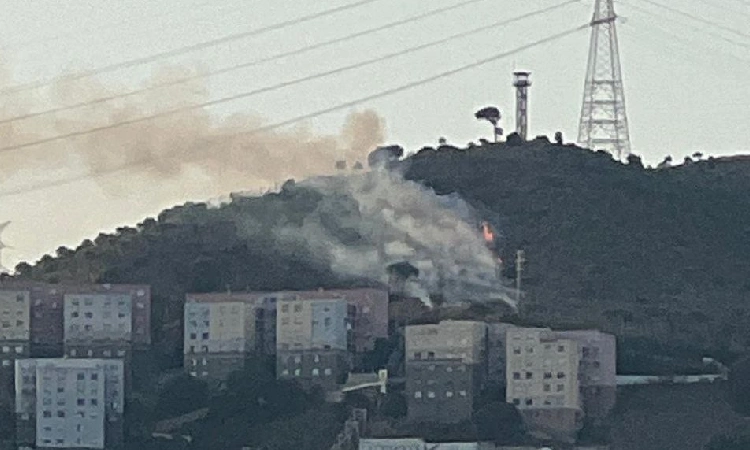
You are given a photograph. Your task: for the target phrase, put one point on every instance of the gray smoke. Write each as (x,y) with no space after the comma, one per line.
(368,221)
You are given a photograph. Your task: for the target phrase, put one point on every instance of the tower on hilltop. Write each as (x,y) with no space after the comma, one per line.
(604,124)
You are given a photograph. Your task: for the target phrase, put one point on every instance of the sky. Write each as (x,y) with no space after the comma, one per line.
(685,86)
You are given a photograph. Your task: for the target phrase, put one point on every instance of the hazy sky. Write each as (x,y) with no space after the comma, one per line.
(685,83)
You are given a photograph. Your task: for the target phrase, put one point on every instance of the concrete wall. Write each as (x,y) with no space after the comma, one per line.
(14,315)
(463,340)
(441,391)
(326,369)
(98,317)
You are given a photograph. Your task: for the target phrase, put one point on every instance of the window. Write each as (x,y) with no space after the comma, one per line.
(430,355)
(547,375)
(73,352)
(328,371)
(193,336)
(107,353)
(516,401)
(560,387)
(449,394)
(94,402)
(297,359)
(327,322)
(6,363)
(60,413)
(529,401)
(547,388)
(529,375)
(560,375)
(431,367)
(297,372)
(297,308)
(417,355)
(561,348)
(516,375)
(88,315)
(449,369)
(47,414)
(285,308)
(6,349)
(204,374)
(596,364)
(94,376)
(81,377)
(122,352)
(316,358)
(204,362)
(285,372)
(81,402)
(418,394)
(315,372)
(516,350)
(529,349)
(205,336)
(430,394)
(60,389)
(193,374)
(462,393)
(20,298)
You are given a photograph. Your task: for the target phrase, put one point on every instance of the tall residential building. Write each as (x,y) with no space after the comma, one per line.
(312,340)
(446,365)
(69,403)
(369,307)
(542,380)
(15,330)
(47,320)
(219,335)
(597,371)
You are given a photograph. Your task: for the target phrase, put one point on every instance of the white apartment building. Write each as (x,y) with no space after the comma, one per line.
(219,327)
(69,403)
(541,371)
(319,324)
(457,340)
(98,317)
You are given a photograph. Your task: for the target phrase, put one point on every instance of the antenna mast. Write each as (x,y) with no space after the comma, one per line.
(604,124)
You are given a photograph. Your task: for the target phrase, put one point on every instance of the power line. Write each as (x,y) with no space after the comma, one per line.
(318,113)
(698,19)
(187,49)
(723,6)
(688,44)
(245,65)
(691,26)
(284,84)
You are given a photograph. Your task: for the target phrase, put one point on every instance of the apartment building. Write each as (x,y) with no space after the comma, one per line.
(313,340)
(597,371)
(369,312)
(219,336)
(15,330)
(47,319)
(446,364)
(542,380)
(69,403)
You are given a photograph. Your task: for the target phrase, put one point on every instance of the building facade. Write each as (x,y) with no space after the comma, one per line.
(313,336)
(542,380)
(446,367)
(597,372)
(69,403)
(496,333)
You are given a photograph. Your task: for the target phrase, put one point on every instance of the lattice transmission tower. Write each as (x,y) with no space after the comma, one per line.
(604,124)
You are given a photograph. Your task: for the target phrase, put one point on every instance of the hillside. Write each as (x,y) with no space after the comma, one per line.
(657,256)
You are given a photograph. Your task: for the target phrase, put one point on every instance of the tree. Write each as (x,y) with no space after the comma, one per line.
(499,422)
(635,161)
(181,395)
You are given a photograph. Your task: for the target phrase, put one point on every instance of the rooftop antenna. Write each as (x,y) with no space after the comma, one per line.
(3,246)
(521,82)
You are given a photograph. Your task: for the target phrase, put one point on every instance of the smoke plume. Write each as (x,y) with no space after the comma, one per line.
(365,222)
(224,150)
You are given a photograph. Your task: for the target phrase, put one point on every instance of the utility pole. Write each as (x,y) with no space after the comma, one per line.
(604,124)
(520,260)
(521,82)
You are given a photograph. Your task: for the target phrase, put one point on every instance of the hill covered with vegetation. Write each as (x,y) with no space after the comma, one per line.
(658,256)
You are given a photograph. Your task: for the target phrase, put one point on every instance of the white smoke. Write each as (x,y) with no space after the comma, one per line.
(368,221)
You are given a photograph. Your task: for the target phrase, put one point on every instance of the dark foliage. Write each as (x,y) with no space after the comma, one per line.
(499,422)
(181,395)
(729,443)
(739,387)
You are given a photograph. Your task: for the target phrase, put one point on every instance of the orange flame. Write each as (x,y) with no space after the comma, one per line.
(487,233)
